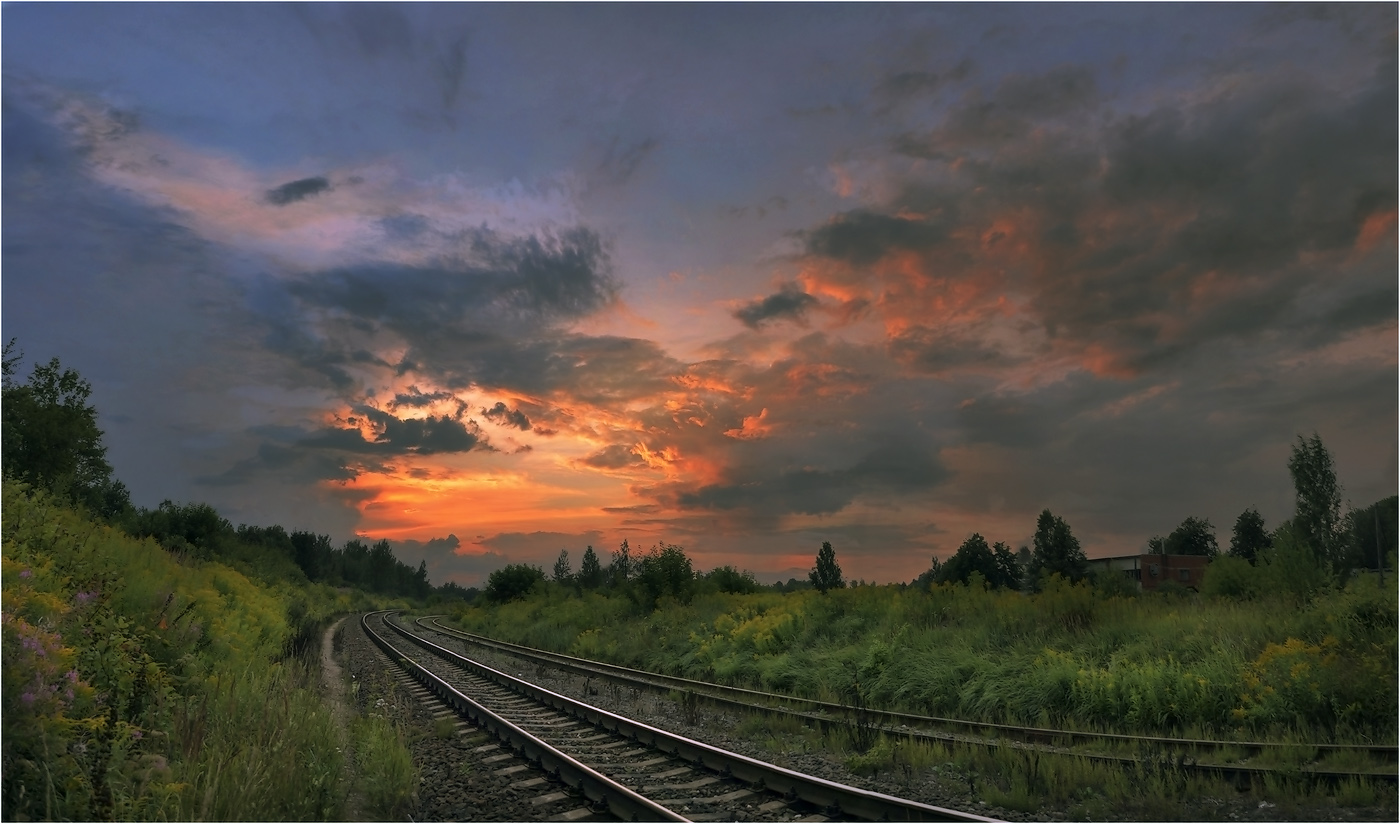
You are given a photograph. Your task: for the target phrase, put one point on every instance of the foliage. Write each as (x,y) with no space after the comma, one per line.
(389,786)
(1073,654)
(1056,551)
(1195,536)
(1290,567)
(512,581)
(590,572)
(1230,576)
(826,575)
(197,531)
(563,573)
(1371,535)
(996,567)
(1317,522)
(1249,538)
(728,579)
(137,685)
(664,571)
(50,436)
(620,568)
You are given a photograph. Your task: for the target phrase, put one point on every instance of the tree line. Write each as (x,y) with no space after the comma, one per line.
(1333,543)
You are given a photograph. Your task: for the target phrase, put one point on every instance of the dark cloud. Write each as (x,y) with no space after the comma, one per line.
(936,351)
(297,190)
(1147,236)
(788,303)
(862,237)
(288,463)
(619,164)
(487,316)
(1059,91)
(380,29)
(765,495)
(415,398)
(404,227)
(451,70)
(617,456)
(504,415)
(529,280)
(392,435)
(910,84)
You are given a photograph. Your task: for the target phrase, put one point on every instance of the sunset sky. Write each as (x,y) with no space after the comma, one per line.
(492,281)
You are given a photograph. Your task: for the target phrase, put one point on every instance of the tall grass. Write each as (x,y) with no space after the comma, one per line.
(1178,664)
(140,686)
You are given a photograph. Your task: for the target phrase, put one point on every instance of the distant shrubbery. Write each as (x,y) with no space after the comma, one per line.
(1070,655)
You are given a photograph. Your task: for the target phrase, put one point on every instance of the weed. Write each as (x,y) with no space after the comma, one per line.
(445,728)
(387,775)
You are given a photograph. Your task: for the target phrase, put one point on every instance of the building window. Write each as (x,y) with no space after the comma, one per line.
(1152,570)
(1185,574)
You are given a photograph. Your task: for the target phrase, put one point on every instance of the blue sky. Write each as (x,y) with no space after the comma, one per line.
(496,280)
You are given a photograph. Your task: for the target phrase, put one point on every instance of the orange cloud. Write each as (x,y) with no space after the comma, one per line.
(1378,226)
(753,427)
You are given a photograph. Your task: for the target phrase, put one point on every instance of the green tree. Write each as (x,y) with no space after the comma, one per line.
(1249,537)
(1055,550)
(930,576)
(728,579)
(1008,571)
(49,436)
(1230,576)
(973,556)
(563,572)
(590,572)
(512,581)
(1371,534)
(826,575)
(1318,497)
(1195,536)
(665,570)
(620,567)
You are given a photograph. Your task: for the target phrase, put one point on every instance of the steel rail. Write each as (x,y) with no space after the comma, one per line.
(828,795)
(902,724)
(619,800)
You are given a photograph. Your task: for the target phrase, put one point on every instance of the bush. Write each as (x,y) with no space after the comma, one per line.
(511,582)
(1229,576)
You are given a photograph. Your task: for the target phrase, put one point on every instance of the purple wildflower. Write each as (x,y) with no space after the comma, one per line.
(28,697)
(84,597)
(26,574)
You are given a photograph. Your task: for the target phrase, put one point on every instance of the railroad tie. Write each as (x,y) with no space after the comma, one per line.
(527,783)
(548,798)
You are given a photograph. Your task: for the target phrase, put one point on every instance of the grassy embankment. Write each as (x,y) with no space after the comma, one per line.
(143,686)
(1298,669)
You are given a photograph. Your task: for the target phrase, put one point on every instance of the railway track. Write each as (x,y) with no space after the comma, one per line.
(1224,758)
(624,768)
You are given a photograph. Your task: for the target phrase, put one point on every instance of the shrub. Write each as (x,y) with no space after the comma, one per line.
(1230,576)
(512,582)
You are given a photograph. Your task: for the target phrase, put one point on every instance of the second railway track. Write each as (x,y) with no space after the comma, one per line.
(628,769)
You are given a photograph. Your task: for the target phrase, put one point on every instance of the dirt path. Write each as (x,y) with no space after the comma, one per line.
(333,685)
